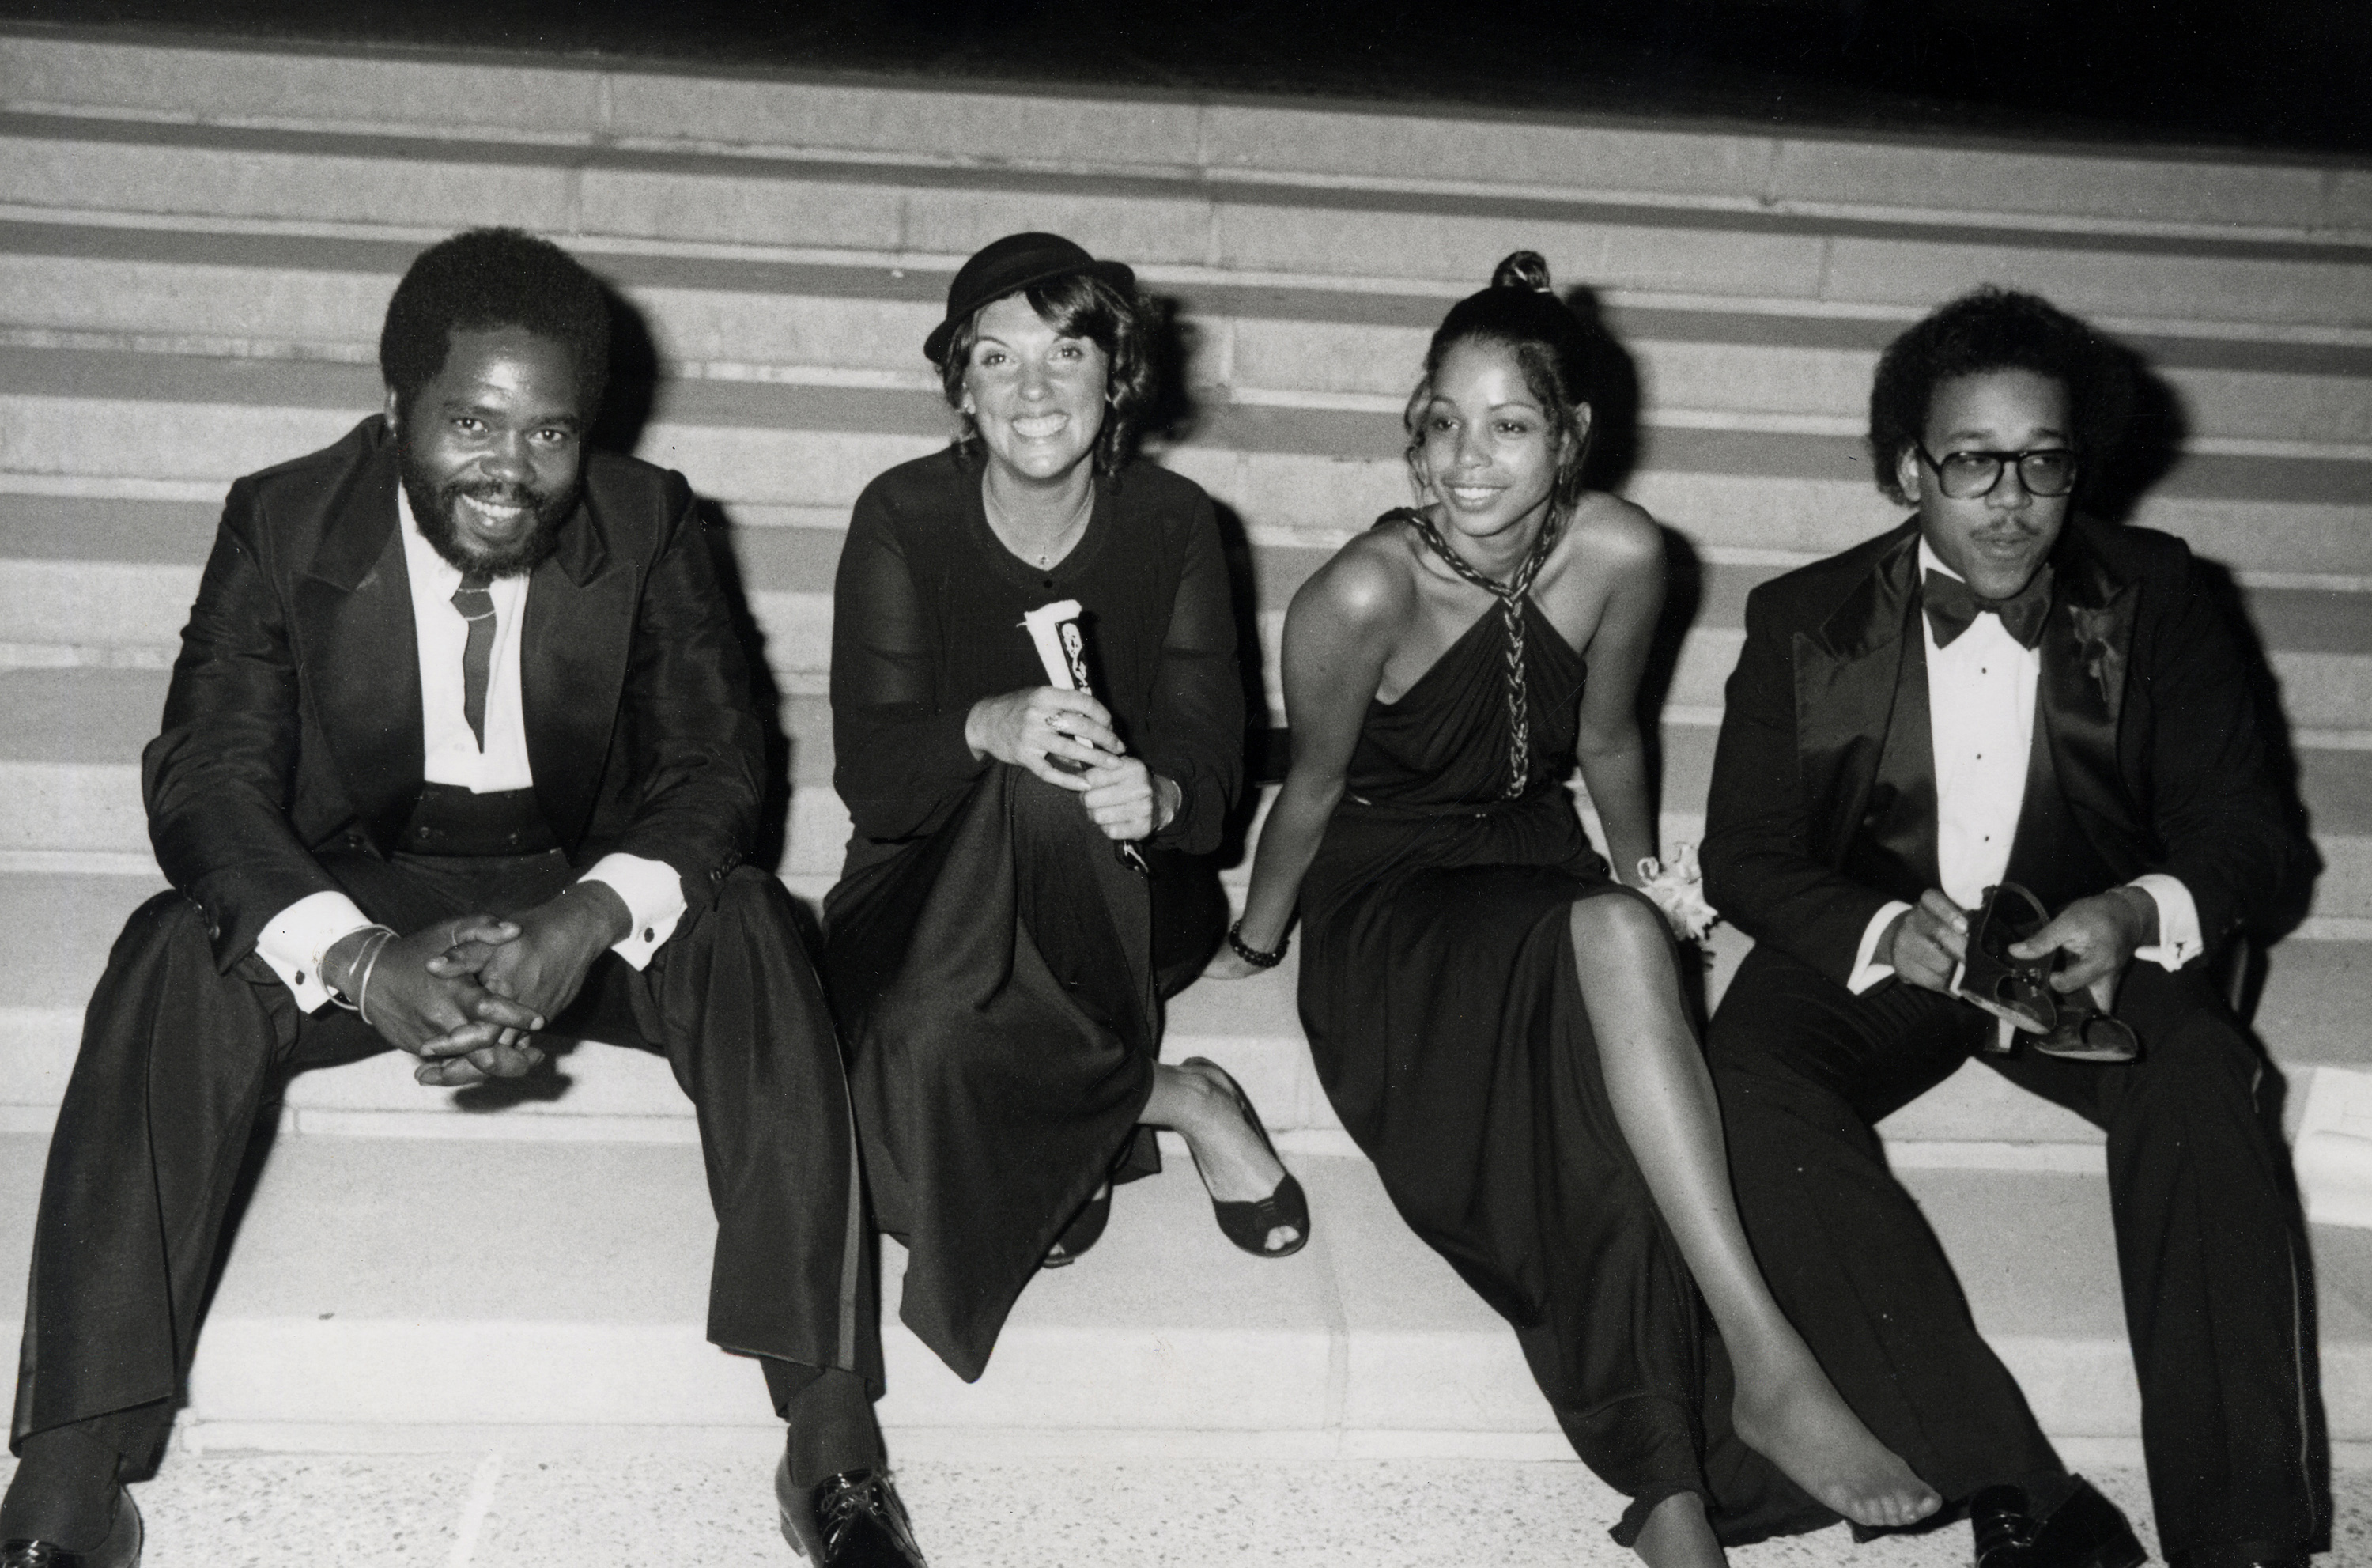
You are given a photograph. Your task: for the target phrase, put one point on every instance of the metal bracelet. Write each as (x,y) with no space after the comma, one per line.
(1253,956)
(362,989)
(336,998)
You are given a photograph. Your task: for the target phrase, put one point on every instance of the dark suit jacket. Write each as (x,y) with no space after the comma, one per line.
(292,724)
(2147,755)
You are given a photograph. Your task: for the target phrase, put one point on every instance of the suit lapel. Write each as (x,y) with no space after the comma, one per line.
(357,650)
(580,624)
(2079,700)
(1861,716)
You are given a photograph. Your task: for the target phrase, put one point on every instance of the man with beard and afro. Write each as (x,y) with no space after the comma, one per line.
(459,750)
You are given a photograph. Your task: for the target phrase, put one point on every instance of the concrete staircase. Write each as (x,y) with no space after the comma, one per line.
(197,245)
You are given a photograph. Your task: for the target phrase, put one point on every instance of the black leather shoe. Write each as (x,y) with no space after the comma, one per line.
(2086,1531)
(2004,1533)
(850,1520)
(120,1549)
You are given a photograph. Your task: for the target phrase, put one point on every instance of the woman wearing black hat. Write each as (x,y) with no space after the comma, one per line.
(1498,1021)
(994,965)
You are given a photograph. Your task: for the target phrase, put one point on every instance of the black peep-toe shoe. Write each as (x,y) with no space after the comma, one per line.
(1248,1225)
(1087,1227)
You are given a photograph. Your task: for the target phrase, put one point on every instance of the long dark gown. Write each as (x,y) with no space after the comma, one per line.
(995,972)
(1439,996)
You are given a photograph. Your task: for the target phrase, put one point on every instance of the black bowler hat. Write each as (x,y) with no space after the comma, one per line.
(1009,265)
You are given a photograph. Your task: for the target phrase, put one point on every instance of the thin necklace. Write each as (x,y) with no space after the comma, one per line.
(1510,594)
(1002,520)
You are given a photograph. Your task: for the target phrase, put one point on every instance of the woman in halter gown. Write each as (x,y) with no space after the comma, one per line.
(1497,1022)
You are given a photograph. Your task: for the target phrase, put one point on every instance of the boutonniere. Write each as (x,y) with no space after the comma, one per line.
(2103,661)
(1677,888)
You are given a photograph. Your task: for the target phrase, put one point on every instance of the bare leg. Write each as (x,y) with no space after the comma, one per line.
(1677,1536)
(1234,1161)
(1663,1097)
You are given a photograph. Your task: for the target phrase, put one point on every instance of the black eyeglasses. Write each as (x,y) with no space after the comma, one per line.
(2047,471)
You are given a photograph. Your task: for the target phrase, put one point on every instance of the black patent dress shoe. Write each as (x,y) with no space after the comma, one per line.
(2085,1531)
(850,1520)
(120,1549)
(2003,1531)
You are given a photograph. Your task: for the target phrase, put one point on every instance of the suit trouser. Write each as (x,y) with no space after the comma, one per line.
(2210,1244)
(177,1056)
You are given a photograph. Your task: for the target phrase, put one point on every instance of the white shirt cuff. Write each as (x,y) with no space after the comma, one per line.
(292,943)
(653,894)
(1868,971)
(2179,941)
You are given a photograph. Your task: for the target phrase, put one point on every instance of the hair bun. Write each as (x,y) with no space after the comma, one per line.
(1525,270)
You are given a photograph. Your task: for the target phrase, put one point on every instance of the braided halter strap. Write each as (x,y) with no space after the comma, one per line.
(1510,594)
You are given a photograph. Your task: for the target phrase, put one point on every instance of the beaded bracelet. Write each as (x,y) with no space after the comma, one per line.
(1253,956)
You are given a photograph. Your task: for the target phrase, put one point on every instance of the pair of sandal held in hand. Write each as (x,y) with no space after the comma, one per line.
(2071,1025)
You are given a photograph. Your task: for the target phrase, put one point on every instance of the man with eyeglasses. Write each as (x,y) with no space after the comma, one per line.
(2003,689)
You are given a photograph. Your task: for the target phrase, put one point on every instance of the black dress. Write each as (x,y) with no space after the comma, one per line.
(995,971)
(1439,993)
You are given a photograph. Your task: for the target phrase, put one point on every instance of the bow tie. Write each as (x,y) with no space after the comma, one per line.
(1952,605)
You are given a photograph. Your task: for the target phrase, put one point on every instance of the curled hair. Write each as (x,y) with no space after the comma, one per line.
(1521,313)
(489,278)
(1986,330)
(1076,304)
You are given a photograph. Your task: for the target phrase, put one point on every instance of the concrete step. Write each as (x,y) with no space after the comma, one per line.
(79,727)
(108,582)
(513,1503)
(1205,208)
(98,715)
(533,98)
(2309,1016)
(88,816)
(1777,365)
(181,427)
(351,1314)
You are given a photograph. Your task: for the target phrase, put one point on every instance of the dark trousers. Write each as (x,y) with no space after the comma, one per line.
(179,1056)
(2209,1245)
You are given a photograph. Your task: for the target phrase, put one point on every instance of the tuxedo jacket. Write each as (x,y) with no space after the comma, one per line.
(293,723)
(2147,754)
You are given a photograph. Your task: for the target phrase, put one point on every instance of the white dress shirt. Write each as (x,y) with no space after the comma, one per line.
(1981,724)
(293,941)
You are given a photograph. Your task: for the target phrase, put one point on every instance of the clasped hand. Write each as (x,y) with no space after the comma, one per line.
(2099,935)
(1043,728)
(463,995)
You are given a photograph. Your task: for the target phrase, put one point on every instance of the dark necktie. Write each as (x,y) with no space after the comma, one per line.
(477,606)
(1952,606)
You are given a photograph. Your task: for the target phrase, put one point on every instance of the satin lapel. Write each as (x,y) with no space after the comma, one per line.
(2086,649)
(580,624)
(1849,676)
(358,652)
(1898,822)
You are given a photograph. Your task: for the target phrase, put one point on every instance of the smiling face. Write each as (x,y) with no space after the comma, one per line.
(1486,447)
(493,447)
(1036,395)
(1999,540)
